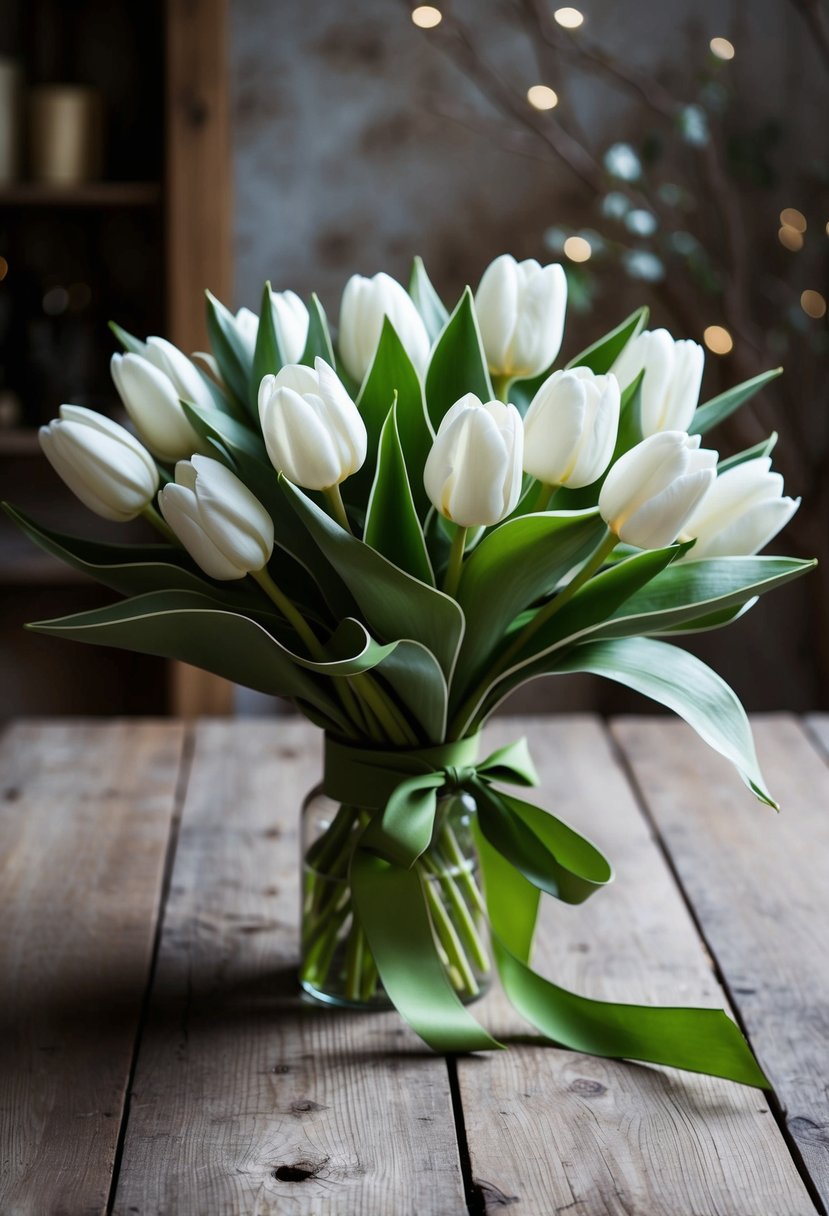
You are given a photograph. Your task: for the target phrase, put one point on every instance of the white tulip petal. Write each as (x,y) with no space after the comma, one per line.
(291,321)
(182,373)
(179,508)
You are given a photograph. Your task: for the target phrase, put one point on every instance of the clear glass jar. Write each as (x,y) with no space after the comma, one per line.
(336,963)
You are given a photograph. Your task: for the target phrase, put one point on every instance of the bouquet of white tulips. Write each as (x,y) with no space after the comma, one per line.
(395,532)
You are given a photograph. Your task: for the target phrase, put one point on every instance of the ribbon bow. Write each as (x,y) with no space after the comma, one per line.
(523,850)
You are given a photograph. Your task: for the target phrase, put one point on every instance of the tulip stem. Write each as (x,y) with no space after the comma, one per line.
(291,614)
(500,387)
(335,498)
(160,524)
(545,493)
(453,570)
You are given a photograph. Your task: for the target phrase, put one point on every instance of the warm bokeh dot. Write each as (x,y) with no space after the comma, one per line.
(427,16)
(718,339)
(577,249)
(542,97)
(813,304)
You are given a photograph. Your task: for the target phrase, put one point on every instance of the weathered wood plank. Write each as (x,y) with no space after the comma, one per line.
(84,825)
(757,882)
(562,1132)
(239,1087)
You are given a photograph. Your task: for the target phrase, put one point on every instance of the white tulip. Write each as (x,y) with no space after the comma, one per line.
(671,384)
(247,327)
(652,490)
(520,307)
(473,472)
(223,527)
(290,317)
(570,428)
(744,509)
(182,373)
(313,431)
(152,402)
(101,462)
(364,305)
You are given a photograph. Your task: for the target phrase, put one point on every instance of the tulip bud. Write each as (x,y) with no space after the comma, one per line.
(247,327)
(290,317)
(364,304)
(223,527)
(671,384)
(652,490)
(570,428)
(183,375)
(152,402)
(741,513)
(101,462)
(313,431)
(520,307)
(473,472)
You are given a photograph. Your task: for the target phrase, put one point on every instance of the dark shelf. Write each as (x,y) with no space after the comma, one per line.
(87,194)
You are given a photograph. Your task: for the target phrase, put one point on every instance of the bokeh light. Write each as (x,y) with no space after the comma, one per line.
(790,238)
(426,16)
(718,339)
(577,249)
(813,304)
(790,217)
(569,18)
(722,48)
(542,97)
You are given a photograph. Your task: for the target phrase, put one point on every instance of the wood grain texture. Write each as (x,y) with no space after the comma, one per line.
(237,1081)
(553,1131)
(757,882)
(85,813)
(198,222)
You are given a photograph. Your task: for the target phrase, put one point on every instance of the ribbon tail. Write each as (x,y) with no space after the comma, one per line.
(391,908)
(697,1040)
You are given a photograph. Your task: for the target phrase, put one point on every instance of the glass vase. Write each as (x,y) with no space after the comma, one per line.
(337,966)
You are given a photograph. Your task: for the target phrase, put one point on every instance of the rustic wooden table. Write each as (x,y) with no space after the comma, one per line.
(155,1056)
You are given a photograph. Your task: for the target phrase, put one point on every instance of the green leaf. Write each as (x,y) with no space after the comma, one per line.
(392,526)
(414,674)
(267,356)
(693,595)
(392,372)
(133,569)
(193,628)
(213,424)
(719,408)
(760,449)
(427,301)
(318,342)
(393,603)
(134,345)
(704,624)
(682,683)
(518,563)
(458,365)
(601,356)
(231,352)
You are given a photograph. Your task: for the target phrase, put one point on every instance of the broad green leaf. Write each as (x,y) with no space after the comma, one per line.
(134,569)
(682,683)
(719,408)
(695,595)
(231,352)
(213,424)
(193,628)
(414,674)
(704,624)
(518,563)
(457,365)
(392,373)
(267,356)
(392,526)
(760,449)
(318,342)
(393,603)
(427,301)
(601,356)
(130,343)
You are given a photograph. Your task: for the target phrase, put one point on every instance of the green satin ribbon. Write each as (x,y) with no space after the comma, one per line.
(524,850)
